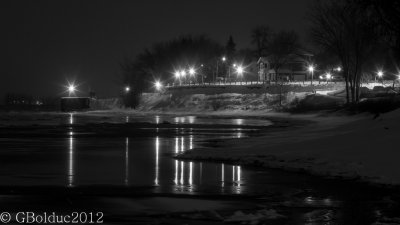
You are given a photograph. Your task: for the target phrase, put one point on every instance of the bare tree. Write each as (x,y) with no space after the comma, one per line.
(342,28)
(260,37)
(282,48)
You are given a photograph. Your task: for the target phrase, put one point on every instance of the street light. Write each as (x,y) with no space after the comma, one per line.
(191,71)
(328,77)
(223,58)
(158,85)
(183,73)
(339,69)
(127,89)
(239,70)
(311,69)
(380,75)
(178,76)
(71,89)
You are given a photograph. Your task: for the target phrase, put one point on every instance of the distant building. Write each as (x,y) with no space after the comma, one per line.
(12,99)
(296,69)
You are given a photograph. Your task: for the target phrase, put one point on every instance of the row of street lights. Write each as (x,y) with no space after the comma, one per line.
(182,74)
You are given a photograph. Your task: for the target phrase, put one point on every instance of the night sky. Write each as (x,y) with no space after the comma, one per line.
(46,43)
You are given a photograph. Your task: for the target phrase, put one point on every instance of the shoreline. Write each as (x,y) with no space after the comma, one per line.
(251,152)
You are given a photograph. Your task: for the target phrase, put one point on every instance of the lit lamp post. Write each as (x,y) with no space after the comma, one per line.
(183,74)
(380,75)
(158,85)
(71,89)
(311,70)
(328,77)
(216,73)
(239,71)
(178,76)
(127,89)
(192,72)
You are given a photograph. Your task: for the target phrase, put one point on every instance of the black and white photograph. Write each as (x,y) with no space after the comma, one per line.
(191,112)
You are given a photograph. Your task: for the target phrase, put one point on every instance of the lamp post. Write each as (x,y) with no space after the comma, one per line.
(192,72)
(223,59)
(183,74)
(178,76)
(71,89)
(311,70)
(380,75)
(239,71)
(328,77)
(158,85)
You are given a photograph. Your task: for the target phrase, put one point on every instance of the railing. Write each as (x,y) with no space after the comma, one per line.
(385,83)
(251,83)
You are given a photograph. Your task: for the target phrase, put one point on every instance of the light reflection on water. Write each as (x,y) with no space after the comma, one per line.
(71,153)
(127,161)
(71,161)
(187,175)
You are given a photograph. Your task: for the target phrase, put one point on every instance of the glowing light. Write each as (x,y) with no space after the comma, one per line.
(192,71)
(239,70)
(191,142)
(380,73)
(191,119)
(339,69)
(222,174)
(182,144)
(239,171)
(190,173)
(177,74)
(71,88)
(127,89)
(71,162)
(234,65)
(224,58)
(157,153)
(71,118)
(126,161)
(311,68)
(158,85)
(328,76)
(176,172)
(183,73)
(176,145)
(182,172)
(239,121)
(239,133)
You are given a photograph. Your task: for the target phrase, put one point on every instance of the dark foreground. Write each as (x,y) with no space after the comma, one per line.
(118,169)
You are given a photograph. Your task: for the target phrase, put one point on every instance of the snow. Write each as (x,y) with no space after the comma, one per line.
(339,146)
(215,102)
(256,218)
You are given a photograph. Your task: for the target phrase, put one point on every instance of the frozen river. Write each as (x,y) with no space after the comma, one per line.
(113,154)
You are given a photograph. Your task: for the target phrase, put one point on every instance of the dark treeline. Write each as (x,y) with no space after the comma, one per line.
(357,34)
(161,60)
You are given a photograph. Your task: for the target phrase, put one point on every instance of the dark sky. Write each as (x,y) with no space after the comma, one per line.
(46,43)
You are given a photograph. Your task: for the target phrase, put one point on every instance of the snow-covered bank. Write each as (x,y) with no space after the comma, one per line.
(352,147)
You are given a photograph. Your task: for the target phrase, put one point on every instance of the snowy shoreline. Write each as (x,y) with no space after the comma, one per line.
(350,147)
